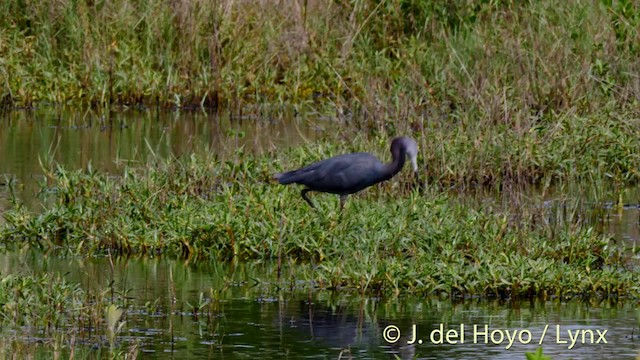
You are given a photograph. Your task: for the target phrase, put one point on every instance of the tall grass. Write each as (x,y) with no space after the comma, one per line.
(503,61)
(45,316)
(495,91)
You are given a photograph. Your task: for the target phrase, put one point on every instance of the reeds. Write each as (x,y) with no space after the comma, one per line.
(46,316)
(505,62)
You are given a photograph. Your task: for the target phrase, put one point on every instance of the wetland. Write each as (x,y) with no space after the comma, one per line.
(178,223)
(139,217)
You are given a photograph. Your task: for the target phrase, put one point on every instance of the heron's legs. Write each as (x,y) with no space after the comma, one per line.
(419,184)
(304,196)
(343,199)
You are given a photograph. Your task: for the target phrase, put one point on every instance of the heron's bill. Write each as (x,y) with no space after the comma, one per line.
(414,164)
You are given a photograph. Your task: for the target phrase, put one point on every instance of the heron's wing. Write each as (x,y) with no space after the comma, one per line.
(344,173)
(317,170)
(300,175)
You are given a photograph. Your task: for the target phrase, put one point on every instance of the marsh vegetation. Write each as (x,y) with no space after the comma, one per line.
(391,240)
(501,96)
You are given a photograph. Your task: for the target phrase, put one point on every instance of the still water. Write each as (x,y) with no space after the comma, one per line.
(257,318)
(109,142)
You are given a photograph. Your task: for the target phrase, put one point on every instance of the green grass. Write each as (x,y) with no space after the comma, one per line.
(45,316)
(502,61)
(564,147)
(496,92)
(388,240)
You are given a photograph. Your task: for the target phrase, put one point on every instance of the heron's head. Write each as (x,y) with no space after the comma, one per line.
(407,146)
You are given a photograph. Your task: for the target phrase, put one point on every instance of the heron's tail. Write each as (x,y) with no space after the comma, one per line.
(288,177)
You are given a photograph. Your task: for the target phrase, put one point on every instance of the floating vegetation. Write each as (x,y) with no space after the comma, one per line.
(389,239)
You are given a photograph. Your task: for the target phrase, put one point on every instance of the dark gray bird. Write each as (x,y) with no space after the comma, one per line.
(349,173)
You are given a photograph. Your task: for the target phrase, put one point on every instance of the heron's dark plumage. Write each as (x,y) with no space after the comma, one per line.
(349,173)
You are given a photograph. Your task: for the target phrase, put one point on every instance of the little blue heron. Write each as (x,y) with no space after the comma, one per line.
(349,173)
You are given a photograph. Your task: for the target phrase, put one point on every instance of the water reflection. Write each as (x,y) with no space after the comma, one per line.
(565,204)
(248,316)
(75,139)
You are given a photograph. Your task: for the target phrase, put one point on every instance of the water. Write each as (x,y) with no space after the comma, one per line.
(603,206)
(257,320)
(77,139)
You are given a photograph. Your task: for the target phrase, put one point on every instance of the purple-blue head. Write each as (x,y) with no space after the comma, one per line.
(408,147)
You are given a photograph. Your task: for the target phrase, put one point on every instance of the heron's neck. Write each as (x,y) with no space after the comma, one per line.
(395,165)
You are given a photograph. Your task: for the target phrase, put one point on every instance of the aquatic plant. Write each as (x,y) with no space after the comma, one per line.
(388,240)
(58,315)
(538,355)
(114,325)
(501,61)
